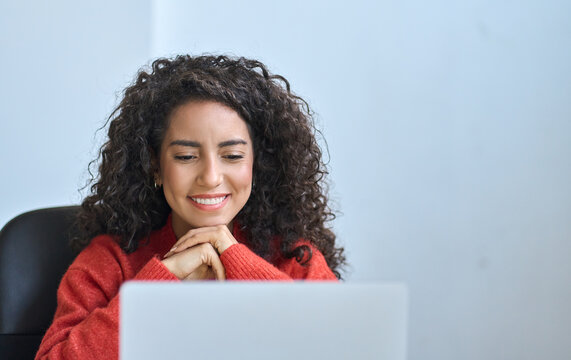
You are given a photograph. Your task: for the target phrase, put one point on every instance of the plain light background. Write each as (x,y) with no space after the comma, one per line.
(448,126)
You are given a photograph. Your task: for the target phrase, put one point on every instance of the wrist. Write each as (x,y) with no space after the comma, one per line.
(171,266)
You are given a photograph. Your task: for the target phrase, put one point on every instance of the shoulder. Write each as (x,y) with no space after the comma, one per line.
(102,263)
(105,257)
(94,277)
(103,250)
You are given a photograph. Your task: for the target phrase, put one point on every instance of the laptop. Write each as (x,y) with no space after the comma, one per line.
(262,320)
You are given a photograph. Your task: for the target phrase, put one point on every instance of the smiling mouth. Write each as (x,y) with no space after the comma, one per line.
(209,201)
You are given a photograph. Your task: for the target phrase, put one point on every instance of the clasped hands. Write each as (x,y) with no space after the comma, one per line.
(196,255)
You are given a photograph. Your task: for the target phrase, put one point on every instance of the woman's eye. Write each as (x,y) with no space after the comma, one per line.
(234,157)
(184,157)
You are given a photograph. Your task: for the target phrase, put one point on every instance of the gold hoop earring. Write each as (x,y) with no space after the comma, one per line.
(157,183)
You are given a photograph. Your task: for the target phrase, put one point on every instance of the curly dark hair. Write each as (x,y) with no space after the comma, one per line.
(289,197)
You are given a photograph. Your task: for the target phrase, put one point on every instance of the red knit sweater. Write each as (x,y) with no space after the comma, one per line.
(86,322)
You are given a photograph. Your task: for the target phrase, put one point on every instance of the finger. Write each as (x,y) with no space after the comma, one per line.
(204,272)
(219,237)
(217,266)
(193,232)
(211,264)
(185,263)
(186,244)
(177,247)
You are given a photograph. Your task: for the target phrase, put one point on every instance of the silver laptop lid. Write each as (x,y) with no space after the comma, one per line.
(262,320)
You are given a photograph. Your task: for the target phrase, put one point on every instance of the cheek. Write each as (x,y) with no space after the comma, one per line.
(243,177)
(173,178)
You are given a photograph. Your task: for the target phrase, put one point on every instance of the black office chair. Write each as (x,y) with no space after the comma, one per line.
(34,255)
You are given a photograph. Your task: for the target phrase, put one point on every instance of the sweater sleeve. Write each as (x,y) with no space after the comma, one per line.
(86,323)
(243,264)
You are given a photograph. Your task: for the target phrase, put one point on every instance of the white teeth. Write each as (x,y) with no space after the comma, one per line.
(209,201)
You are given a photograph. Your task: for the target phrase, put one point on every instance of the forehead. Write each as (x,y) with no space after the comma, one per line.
(204,121)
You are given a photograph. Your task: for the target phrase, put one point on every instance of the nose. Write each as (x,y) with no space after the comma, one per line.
(209,175)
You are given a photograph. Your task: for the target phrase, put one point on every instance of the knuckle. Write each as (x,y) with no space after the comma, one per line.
(206,252)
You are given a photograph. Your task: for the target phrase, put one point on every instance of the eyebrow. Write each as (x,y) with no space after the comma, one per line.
(196,144)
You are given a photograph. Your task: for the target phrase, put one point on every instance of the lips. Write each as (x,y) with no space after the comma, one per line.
(209,202)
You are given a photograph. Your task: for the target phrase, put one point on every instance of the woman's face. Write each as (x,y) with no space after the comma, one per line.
(206,162)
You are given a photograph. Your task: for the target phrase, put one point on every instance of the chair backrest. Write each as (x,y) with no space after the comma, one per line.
(34,255)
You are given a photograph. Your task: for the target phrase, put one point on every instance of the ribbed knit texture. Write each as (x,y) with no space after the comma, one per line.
(86,322)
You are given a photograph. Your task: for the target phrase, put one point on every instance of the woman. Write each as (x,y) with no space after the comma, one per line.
(211,171)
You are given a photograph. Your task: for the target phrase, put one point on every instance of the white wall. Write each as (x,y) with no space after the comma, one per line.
(62,64)
(448,123)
